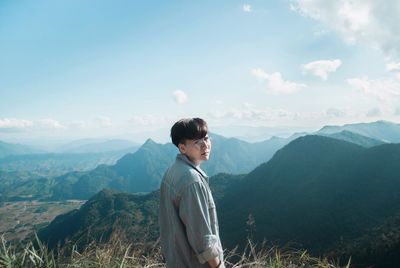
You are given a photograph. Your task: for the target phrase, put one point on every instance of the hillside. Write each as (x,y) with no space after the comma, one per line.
(234,156)
(355,138)
(7,149)
(142,171)
(20,185)
(133,217)
(326,195)
(315,191)
(137,172)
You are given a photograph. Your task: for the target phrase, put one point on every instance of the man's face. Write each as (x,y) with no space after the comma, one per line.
(196,150)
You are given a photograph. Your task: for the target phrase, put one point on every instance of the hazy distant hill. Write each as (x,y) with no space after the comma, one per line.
(56,164)
(315,191)
(379,130)
(7,149)
(234,156)
(14,185)
(98,146)
(137,172)
(142,171)
(355,138)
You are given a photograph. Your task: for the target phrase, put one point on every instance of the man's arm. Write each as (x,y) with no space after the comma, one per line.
(194,213)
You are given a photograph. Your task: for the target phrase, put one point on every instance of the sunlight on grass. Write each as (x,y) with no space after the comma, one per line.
(118,254)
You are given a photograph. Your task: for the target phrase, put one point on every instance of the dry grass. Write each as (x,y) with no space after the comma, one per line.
(116,254)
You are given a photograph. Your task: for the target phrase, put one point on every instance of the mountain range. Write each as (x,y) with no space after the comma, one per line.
(315,193)
(142,170)
(109,213)
(380,130)
(56,164)
(97,146)
(7,149)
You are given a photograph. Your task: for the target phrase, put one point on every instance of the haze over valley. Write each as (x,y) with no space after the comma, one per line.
(332,192)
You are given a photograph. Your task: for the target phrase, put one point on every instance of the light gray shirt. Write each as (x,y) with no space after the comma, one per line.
(188,219)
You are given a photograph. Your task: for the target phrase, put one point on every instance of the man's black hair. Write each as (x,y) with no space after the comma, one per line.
(188,129)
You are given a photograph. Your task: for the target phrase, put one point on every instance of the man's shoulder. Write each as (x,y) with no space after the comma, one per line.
(181,169)
(181,174)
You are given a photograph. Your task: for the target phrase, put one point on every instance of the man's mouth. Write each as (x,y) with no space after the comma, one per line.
(205,153)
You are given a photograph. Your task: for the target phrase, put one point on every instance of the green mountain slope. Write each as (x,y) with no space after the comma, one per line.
(137,172)
(379,245)
(234,156)
(327,195)
(315,191)
(131,217)
(142,171)
(355,138)
(20,185)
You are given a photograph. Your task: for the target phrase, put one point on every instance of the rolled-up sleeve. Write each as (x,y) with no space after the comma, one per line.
(194,211)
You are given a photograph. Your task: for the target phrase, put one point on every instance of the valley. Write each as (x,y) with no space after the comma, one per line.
(18,220)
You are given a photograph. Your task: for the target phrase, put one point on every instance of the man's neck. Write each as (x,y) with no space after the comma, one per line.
(195,163)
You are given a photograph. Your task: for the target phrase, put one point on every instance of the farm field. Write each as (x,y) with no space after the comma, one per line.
(19,219)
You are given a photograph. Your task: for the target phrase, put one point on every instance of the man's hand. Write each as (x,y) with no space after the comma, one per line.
(215,263)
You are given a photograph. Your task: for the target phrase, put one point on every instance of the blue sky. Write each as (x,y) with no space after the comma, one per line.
(78,69)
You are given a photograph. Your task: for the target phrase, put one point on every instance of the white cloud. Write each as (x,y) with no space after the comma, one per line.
(12,124)
(49,123)
(394,68)
(321,68)
(249,114)
(18,125)
(373,22)
(180,97)
(276,84)
(382,89)
(247,8)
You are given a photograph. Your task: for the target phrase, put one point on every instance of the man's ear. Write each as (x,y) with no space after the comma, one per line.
(182,148)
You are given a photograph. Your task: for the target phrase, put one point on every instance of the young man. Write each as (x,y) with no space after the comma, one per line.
(188,219)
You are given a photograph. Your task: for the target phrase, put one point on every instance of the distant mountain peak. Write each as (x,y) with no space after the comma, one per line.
(150,141)
(385,122)
(318,142)
(381,130)
(379,122)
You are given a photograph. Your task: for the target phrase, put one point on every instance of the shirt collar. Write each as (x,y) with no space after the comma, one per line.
(185,159)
